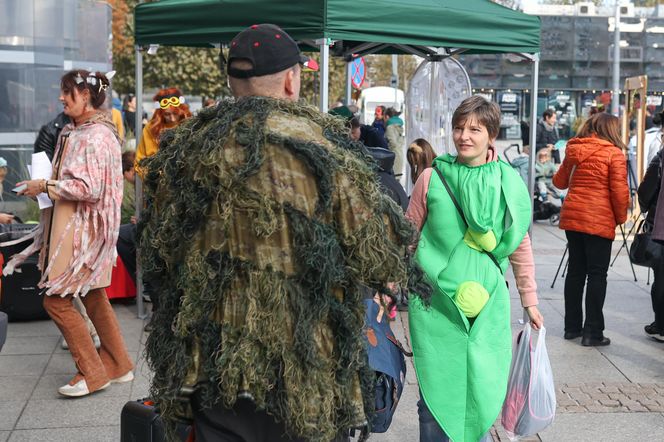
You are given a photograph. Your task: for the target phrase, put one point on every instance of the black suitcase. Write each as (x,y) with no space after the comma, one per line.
(20,296)
(139,422)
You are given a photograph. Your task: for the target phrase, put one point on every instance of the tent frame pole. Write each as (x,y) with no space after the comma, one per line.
(138,130)
(533,135)
(349,86)
(324,44)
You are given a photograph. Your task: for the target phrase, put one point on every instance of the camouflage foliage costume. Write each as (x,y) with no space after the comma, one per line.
(263,219)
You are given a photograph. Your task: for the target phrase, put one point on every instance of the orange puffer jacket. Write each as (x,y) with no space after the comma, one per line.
(598,195)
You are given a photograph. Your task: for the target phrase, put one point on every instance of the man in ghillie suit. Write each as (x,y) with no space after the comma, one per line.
(263,221)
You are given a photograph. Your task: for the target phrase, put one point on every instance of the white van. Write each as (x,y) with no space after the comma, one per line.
(372,97)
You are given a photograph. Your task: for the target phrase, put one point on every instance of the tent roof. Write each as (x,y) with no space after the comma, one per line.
(360,26)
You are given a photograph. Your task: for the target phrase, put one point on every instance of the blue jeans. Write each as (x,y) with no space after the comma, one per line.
(430,431)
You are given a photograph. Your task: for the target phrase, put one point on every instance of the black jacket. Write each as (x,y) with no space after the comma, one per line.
(49,133)
(370,137)
(545,137)
(649,187)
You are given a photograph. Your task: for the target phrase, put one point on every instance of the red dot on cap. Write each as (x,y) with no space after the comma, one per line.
(277,35)
(234,43)
(254,26)
(256,44)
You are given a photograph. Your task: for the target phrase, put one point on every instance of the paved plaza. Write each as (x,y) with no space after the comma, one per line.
(607,394)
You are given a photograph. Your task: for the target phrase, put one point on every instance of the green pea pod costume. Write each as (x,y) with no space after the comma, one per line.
(462,367)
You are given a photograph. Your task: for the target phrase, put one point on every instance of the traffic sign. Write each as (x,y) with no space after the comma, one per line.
(357,72)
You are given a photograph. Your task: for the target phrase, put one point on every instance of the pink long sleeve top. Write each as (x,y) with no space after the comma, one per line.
(522,260)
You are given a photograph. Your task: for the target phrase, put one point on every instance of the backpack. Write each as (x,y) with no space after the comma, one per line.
(386,358)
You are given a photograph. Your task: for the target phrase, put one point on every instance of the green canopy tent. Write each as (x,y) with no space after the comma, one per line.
(432,29)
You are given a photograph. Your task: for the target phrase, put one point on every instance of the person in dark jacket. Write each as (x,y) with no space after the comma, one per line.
(389,184)
(547,134)
(648,193)
(49,133)
(379,120)
(368,135)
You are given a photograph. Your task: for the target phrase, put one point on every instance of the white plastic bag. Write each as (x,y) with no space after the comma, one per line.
(530,404)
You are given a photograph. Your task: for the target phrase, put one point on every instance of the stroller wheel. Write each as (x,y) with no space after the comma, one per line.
(554,219)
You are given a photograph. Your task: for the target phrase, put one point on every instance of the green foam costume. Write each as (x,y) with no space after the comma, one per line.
(462,368)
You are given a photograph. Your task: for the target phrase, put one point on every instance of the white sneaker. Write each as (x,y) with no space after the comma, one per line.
(78,389)
(127,377)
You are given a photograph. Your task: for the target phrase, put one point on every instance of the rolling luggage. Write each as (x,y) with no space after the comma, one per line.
(20,296)
(3,329)
(140,422)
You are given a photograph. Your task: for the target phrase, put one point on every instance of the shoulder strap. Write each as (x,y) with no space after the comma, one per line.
(463,217)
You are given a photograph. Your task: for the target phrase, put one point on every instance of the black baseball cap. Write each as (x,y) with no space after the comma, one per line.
(269,49)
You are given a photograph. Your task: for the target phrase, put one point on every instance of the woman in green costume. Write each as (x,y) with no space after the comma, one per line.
(462,343)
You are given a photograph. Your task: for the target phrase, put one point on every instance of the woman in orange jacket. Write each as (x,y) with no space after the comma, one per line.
(595,171)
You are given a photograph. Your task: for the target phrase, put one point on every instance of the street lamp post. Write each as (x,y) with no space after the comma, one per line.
(615,101)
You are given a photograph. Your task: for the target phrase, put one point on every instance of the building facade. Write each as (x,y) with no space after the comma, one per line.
(39,41)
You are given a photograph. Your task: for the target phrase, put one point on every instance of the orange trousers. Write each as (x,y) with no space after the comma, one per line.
(112,361)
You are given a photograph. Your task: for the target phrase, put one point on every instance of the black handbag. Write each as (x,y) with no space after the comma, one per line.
(644,251)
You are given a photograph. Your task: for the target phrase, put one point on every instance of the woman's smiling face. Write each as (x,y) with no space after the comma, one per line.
(472,141)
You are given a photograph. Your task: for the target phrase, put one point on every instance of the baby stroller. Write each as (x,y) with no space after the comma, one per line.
(544,191)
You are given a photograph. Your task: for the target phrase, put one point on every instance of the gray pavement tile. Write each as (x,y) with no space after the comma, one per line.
(61,363)
(9,413)
(140,388)
(33,328)
(74,434)
(590,366)
(47,387)
(639,357)
(98,409)
(4,435)
(613,427)
(29,345)
(22,365)
(17,388)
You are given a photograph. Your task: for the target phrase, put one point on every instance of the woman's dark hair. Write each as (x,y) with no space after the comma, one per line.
(658,119)
(548,114)
(126,100)
(420,155)
(79,79)
(604,126)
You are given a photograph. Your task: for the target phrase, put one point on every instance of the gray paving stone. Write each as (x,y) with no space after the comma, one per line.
(22,365)
(61,363)
(33,345)
(613,427)
(9,413)
(74,434)
(32,328)
(4,435)
(17,388)
(99,409)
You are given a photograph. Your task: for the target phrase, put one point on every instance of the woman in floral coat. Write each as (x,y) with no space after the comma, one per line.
(76,237)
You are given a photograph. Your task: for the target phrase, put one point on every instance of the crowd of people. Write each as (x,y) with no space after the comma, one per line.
(265,226)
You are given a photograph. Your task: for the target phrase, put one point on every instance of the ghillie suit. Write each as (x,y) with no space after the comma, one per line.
(462,364)
(263,219)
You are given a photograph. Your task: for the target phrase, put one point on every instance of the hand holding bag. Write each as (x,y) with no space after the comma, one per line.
(530,404)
